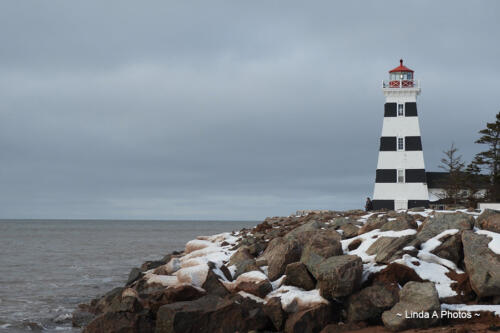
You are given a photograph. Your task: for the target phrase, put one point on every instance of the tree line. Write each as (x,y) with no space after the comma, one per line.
(464,182)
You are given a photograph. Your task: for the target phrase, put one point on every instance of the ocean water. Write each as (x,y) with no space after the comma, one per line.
(48,267)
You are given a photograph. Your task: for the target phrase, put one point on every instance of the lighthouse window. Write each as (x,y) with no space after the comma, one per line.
(401,176)
(401,143)
(401,110)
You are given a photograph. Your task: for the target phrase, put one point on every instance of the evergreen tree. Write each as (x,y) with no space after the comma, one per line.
(490,159)
(453,165)
(471,184)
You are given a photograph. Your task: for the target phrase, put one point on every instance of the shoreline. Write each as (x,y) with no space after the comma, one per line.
(313,271)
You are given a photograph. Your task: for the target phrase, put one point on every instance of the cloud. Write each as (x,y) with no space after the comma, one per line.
(224,109)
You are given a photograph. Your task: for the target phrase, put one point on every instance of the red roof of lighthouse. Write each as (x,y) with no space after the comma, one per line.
(401,68)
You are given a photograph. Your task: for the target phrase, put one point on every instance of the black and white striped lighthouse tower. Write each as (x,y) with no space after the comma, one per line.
(400,181)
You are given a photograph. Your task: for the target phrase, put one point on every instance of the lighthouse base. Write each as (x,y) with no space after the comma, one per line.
(390,204)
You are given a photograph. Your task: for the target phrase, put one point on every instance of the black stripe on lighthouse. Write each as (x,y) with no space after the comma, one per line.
(410,109)
(415,176)
(388,143)
(413,143)
(390,110)
(383,204)
(390,176)
(386,176)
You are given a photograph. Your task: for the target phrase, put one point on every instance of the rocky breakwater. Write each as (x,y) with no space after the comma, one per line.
(323,272)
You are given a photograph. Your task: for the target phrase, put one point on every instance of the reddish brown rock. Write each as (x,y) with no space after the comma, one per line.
(309,321)
(279,253)
(489,220)
(297,275)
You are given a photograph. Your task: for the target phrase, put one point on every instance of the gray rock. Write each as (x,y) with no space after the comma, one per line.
(297,275)
(279,253)
(373,222)
(339,222)
(339,275)
(121,322)
(213,285)
(81,318)
(134,274)
(349,230)
(401,222)
(489,220)
(369,303)
(304,232)
(388,249)
(482,264)
(433,226)
(451,248)
(321,245)
(243,261)
(413,298)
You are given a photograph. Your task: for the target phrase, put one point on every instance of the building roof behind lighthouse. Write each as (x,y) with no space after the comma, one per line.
(400,68)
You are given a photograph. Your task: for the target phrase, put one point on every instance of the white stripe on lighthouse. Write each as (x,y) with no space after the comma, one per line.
(401,160)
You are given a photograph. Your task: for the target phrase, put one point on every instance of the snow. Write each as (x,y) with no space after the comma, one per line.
(173,265)
(197,244)
(472,308)
(371,268)
(253,276)
(253,297)
(494,245)
(368,240)
(192,268)
(297,299)
(425,213)
(195,275)
(278,282)
(430,271)
(409,248)
(434,242)
(164,280)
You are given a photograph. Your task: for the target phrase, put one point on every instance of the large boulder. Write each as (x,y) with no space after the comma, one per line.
(207,314)
(434,225)
(388,249)
(396,273)
(450,248)
(482,264)
(349,230)
(108,301)
(243,260)
(296,274)
(338,276)
(414,298)
(275,313)
(489,220)
(213,285)
(303,233)
(374,222)
(121,322)
(81,317)
(369,303)
(255,283)
(401,222)
(279,253)
(310,320)
(180,293)
(321,245)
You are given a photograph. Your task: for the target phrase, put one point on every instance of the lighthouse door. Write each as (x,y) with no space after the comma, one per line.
(400,204)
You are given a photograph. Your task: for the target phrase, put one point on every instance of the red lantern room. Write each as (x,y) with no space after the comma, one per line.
(401,77)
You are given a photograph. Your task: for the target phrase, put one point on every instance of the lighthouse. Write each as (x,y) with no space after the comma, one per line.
(400,181)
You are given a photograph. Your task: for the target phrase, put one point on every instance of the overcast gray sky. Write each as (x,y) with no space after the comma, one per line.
(226,109)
